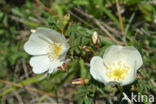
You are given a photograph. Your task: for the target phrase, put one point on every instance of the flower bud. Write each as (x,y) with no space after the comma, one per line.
(80,81)
(85,48)
(67,16)
(32,30)
(66,19)
(95,39)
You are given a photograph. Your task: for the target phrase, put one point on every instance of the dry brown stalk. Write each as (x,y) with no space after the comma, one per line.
(119,16)
(27,88)
(47,9)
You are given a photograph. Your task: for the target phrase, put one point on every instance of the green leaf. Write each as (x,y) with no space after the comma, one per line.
(82,68)
(110,15)
(87,100)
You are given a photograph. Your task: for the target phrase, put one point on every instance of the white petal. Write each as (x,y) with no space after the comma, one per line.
(40,64)
(126,54)
(130,76)
(65,48)
(134,55)
(54,65)
(40,39)
(51,35)
(98,70)
(36,45)
(64,51)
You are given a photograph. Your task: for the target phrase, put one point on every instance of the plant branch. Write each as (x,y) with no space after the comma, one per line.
(119,16)
(98,23)
(47,9)
(27,88)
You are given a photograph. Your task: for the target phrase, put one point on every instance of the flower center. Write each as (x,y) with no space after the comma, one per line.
(117,71)
(54,50)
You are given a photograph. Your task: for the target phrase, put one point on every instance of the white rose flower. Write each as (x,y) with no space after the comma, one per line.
(48,48)
(119,65)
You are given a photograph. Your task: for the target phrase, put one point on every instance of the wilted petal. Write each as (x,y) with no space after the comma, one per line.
(40,64)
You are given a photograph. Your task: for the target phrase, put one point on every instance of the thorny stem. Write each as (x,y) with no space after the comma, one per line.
(119,16)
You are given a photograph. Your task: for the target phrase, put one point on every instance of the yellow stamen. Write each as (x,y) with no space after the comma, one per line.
(54,50)
(117,71)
